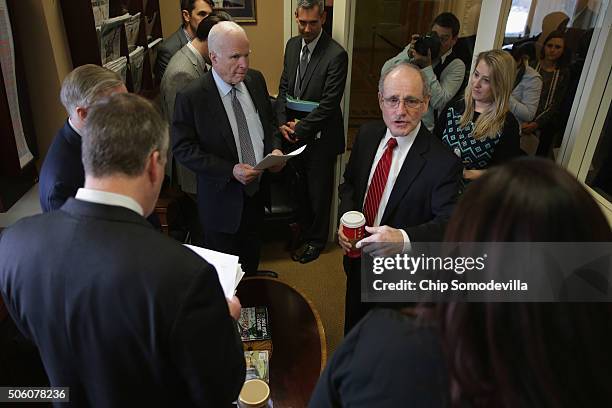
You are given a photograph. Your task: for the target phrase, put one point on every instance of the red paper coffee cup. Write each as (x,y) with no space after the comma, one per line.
(353,226)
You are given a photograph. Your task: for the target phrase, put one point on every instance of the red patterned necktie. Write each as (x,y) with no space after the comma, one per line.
(378,183)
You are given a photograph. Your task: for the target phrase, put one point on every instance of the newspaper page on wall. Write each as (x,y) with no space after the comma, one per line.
(100,11)
(109,34)
(136,65)
(132,25)
(9,76)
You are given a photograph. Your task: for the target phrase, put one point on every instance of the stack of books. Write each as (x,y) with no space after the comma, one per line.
(254,326)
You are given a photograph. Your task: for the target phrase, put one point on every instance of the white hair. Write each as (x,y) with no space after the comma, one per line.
(219,32)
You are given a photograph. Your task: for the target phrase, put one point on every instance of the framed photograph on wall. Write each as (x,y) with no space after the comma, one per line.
(242,11)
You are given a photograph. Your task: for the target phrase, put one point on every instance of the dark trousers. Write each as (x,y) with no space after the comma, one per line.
(354,309)
(314,195)
(548,139)
(189,207)
(246,242)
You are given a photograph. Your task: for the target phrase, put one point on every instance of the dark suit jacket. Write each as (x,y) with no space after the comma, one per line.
(167,49)
(62,171)
(121,314)
(407,369)
(424,193)
(202,140)
(324,82)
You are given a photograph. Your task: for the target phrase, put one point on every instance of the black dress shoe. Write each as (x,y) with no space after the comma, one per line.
(310,254)
(297,254)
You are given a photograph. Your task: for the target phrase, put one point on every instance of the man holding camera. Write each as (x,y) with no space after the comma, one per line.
(442,66)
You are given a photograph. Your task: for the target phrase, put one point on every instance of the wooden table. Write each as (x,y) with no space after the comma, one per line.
(298,338)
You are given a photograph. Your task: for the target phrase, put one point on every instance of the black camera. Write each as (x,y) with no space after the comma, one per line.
(429,41)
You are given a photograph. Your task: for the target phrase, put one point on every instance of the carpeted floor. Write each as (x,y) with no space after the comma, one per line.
(321,281)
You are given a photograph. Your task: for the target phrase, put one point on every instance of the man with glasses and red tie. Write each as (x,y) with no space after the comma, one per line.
(403,179)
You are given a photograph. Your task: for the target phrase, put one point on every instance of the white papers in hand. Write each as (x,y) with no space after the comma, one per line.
(271,160)
(227,266)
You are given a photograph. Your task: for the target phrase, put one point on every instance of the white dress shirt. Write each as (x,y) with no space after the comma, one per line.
(107,198)
(78,132)
(399,156)
(252,117)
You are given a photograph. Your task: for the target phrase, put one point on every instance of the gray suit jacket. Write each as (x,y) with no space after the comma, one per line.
(167,49)
(182,69)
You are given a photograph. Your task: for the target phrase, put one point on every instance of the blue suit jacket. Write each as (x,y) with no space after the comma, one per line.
(62,171)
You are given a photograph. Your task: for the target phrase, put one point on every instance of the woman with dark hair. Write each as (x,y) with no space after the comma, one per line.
(480,129)
(488,354)
(553,67)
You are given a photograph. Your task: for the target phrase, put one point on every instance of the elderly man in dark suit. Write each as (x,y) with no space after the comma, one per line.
(315,70)
(188,64)
(192,13)
(121,314)
(62,171)
(403,179)
(223,125)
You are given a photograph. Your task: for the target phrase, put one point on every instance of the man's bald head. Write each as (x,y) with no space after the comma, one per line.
(229,50)
(403,97)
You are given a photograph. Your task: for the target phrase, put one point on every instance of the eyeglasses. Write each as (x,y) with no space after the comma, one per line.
(393,102)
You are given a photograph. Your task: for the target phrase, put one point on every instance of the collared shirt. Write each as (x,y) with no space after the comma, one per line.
(107,198)
(443,56)
(250,112)
(399,156)
(187,35)
(78,132)
(198,56)
(311,46)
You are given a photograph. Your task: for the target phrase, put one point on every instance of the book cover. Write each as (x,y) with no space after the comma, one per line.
(254,323)
(257,365)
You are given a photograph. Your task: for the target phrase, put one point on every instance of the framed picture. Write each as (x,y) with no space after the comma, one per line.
(242,11)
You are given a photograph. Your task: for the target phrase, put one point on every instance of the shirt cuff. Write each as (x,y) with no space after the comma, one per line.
(407,244)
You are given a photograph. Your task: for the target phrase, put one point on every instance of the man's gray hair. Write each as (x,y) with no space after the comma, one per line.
(310,4)
(389,69)
(85,84)
(121,132)
(219,32)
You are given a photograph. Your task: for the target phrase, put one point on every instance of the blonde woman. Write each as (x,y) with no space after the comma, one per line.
(480,129)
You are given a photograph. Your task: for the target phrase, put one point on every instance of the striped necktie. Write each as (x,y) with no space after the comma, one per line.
(378,183)
(246,145)
(301,72)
